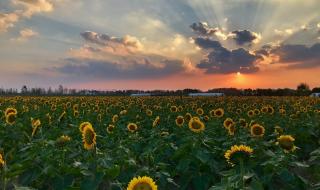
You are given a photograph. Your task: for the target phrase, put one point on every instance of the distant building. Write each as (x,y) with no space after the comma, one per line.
(316,94)
(141,94)
(206,94)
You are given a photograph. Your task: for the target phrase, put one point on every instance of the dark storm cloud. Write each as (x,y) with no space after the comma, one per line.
(222,60)
(243,37)
(88,68)
(301,56)
(207,43)
(202,28)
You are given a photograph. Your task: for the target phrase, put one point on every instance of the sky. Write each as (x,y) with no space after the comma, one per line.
(159,44)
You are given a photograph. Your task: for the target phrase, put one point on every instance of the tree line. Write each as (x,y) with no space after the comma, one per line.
(302,89)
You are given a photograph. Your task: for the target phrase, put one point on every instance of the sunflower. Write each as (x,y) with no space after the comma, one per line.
(196,125)
(88,137)
(173,109)
(282,111)
(142,183)
(83,124)
(187,117)
(270,110)
(219,112)
(10,110)
(76,113)
(200,111)
(62,116)
(156,121)
(250,113)
(180,108)
(110,128)
(237,152)
(206,118)
(75,107)
(228,122)
(124,112)
(149,112)
(256,111)
(2,162)
(287,143)
(11,118)
(243,123)
(264,109)
(231,129)
(278,130)
(164,133)
(179,121)
(115,118)
(35,123)
(62,140)
(257,130)
(132,127)
(211,113)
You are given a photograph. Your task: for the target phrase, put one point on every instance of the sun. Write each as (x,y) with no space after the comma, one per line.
(238,73)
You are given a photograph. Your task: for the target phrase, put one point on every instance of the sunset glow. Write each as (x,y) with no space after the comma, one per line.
(148,44)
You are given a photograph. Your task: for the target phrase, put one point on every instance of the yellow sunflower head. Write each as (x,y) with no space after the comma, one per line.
(278,130)
(10,110)
(286,142)
(200,111)
(115,118)
(132,127)
(11,118)
(62,140)
(88,137)
(110,128)
(231,129)
(142,183)
(196,125)
(243,123)
(156,121)
(83,124)
(173,109)
(270,110)
(228,122)
(257,130)
(76,113)
(187,117)
(206,118)
(237,152)
(256,111)
(179,121)
(219,112)
(2,162)
(250,113)
(149,112)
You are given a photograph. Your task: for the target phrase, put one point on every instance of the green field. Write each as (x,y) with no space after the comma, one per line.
(179,143)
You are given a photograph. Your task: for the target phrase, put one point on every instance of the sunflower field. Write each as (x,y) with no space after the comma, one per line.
(165,143)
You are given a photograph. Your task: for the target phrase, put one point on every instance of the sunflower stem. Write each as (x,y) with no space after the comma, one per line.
(242,173)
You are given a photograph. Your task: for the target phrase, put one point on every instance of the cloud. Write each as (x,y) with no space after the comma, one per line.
(108,57)
(7,20)
(106,40)
(207,43)
(95,69)
(24,8)
(25,34)
(243,37)
(34,6)
(222,60)
(203,28)
(299,56)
